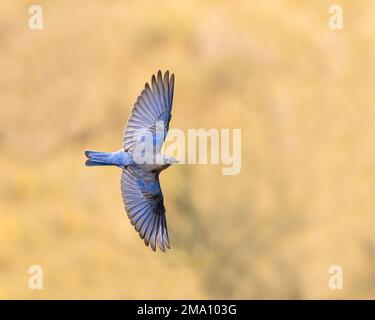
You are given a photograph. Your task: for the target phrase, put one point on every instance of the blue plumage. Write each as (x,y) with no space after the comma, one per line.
(119,158)
(140,186)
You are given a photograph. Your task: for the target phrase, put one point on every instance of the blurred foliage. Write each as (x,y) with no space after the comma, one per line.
(301,93)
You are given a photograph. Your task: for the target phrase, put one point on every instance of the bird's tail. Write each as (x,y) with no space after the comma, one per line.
(96,158)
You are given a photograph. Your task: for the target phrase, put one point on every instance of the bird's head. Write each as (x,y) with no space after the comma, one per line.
(169,160)
(163,162)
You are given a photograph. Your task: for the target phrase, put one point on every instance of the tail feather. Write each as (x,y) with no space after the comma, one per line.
(90,153)
(96,158)
(91,163)
(119,158)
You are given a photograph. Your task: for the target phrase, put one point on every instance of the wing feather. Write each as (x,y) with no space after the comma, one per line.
(154,105)
(144,204)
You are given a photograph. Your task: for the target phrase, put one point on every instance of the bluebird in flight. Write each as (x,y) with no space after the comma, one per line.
(141,161)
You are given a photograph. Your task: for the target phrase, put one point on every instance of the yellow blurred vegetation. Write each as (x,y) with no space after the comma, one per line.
(301,93)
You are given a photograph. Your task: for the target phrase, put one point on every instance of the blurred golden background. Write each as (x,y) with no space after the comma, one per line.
(301,93)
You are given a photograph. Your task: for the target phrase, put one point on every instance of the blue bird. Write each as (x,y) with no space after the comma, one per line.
(141,161)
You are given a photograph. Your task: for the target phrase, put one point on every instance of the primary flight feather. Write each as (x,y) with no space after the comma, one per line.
(141,161)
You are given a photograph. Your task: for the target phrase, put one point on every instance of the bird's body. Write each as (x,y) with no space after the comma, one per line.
(141,161)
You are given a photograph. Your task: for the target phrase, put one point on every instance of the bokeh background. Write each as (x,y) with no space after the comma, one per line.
(301,93)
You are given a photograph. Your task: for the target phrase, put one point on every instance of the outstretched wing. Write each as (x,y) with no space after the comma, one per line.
(151,113)
(144,205)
